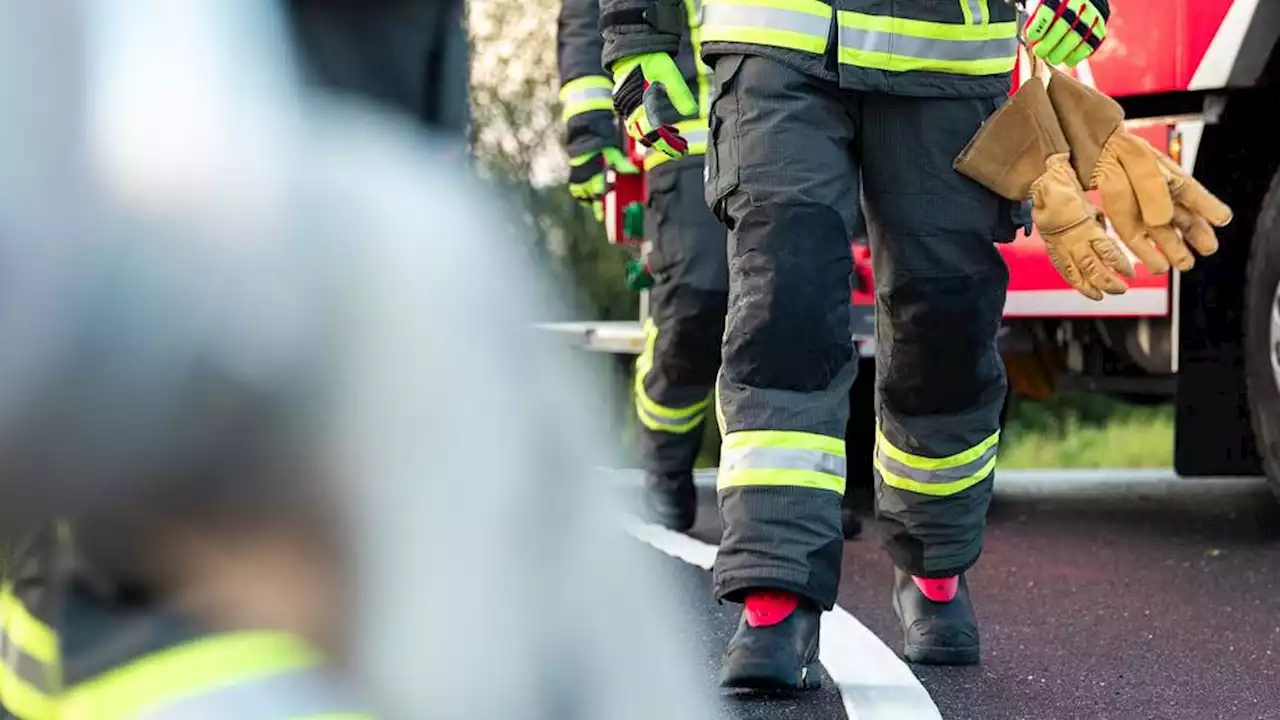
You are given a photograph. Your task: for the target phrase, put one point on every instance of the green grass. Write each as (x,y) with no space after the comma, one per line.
(1087,431)
(1133,442)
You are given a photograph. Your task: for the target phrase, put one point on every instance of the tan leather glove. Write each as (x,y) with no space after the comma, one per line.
(1021,152)
(1159,211)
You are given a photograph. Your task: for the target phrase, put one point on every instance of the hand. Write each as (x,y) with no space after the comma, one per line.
(1067,31)
(650,95)
(588,176)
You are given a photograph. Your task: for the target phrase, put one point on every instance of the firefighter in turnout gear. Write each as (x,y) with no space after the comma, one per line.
(676,371)
(815,103)
(677,368)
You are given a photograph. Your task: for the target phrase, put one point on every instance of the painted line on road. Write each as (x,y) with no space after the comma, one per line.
(874,683)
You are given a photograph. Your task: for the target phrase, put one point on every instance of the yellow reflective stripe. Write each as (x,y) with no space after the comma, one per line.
(669,413)
(967,11)
(794,24)
(653,415)
(896,63)
(586,82)
(773,38)
(919,462)
(25,630)
(720,423)
(190,668)
(23,700)
(781,458)
(935,489)
(668,426)
(784,439)
(928,30)
(586,106)
(903,45)
(811,479)
(986,12)
(585,94)
(693,9)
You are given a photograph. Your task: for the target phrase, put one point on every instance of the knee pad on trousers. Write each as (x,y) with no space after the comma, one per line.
(938,352)
(690,331)
(788,325)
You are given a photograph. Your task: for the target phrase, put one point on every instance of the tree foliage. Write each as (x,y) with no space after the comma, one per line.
(518,142)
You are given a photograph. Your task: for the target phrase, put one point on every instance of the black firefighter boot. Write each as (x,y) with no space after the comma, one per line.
(936,632)
(671,500)
(776,646)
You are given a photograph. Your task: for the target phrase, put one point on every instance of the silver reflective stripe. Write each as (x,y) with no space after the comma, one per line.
(585,94)
(975,11)
(939,476)
(276,696)
(926,48)
(776,458)
(751,16)
(21,664)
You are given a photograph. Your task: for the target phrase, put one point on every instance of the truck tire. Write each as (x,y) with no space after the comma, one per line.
(1262,334)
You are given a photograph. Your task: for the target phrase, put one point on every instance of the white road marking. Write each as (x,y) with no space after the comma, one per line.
(874,683)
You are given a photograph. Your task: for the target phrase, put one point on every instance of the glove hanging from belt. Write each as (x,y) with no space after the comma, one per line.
(1159,211)
(1021,152)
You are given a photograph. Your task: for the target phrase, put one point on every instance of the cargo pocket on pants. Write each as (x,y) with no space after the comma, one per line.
(664,239)
(721,174)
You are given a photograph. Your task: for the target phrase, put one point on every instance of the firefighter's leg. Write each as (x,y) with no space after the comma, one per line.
(940,289)
(677,369)
(782,177)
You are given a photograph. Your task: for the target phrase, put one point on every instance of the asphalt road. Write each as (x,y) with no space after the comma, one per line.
(1102,600)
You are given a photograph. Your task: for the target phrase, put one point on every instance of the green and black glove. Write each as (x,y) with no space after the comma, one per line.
(650,95)
(1067,31)
(588,175)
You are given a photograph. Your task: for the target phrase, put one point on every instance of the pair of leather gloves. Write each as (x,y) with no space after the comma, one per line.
(1056,138)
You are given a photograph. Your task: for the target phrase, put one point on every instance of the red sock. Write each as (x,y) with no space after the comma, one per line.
(770,607)
(939,589)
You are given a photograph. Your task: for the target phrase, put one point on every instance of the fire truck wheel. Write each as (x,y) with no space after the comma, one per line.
(1262,333)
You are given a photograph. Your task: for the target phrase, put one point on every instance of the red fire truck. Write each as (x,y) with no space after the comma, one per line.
(1200,79)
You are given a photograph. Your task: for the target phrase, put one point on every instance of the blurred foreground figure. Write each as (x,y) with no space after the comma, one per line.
(235,446)
(407,54)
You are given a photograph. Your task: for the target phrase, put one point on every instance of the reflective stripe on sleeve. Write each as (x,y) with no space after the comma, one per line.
(795,24)
(30,672)
(652,414)
(208,674)
(935,476)
(781,458)
(585,94)
(900,45)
